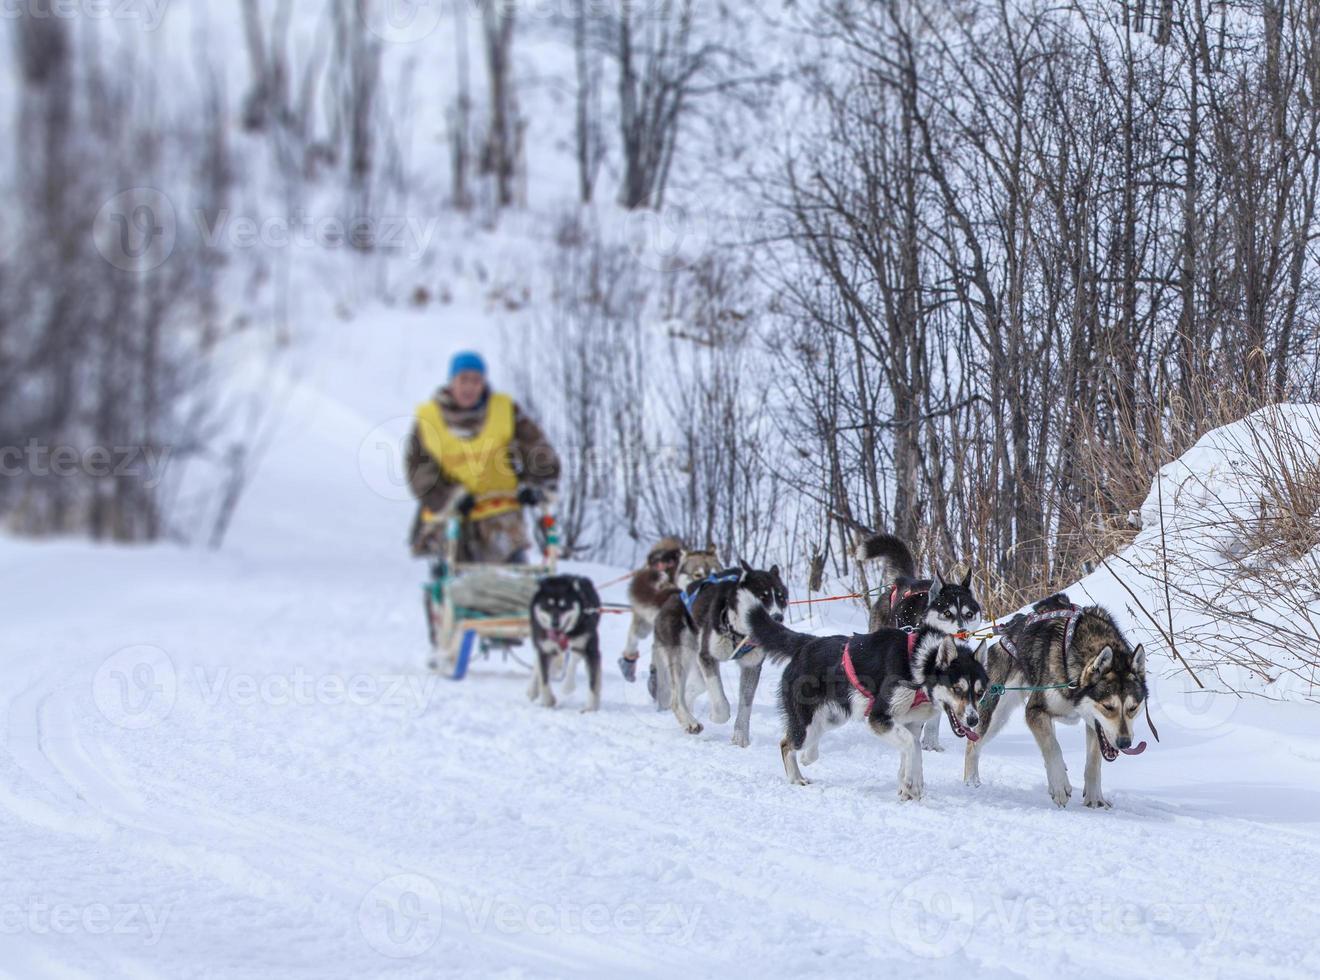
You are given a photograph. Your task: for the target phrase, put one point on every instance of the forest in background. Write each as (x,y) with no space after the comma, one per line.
(970,272)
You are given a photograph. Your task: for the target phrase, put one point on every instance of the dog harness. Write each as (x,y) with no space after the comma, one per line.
(480,464)
(850,671)
(689,595)
(1072,614)
(894,597)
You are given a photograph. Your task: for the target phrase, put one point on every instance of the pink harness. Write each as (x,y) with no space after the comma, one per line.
(849,671)
(907,594)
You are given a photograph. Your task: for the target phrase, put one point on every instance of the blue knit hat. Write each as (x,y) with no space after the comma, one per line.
(468,360)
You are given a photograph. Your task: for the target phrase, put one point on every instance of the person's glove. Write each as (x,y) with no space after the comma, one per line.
(530,496)
(463,505)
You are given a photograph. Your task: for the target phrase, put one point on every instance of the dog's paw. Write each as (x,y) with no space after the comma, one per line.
(1061,794)
(741,739)
(800,781)
(719,714)
(972,781)
(908,792)
(932,746)
(548,701)
(589,709)
(1096,801)
(693,728)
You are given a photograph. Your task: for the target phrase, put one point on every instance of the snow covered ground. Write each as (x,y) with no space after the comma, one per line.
(233,764)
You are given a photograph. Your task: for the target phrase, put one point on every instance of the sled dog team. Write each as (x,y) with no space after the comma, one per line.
(918,662)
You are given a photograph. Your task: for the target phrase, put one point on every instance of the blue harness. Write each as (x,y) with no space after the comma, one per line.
(689,595)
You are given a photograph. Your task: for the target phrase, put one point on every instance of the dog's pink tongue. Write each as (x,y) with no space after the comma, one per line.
(971,735)
(1135,750)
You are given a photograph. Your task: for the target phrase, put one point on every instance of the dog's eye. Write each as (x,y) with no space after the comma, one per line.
(1110,707)
(1132,711)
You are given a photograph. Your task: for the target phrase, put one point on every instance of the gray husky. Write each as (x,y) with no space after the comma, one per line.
(712,627)
(1093,675)
(904,599)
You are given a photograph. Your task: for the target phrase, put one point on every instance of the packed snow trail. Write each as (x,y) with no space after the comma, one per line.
(233,764)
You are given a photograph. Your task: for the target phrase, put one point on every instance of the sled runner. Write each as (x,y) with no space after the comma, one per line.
(473,609)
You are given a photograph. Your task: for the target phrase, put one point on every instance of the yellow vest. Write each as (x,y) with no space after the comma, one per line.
(481,464)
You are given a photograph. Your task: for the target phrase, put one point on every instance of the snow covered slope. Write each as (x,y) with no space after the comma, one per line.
(232,764)
(1234,527)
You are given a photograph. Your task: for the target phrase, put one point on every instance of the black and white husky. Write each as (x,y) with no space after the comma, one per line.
(904,599)
(893,681)
(565,622)
(714,630)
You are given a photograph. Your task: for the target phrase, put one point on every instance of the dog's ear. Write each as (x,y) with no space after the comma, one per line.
(946,654)
(1139,659)
(967,579)
(936,584)
(774,571)
(746,569)
(983,655)
(1102,662)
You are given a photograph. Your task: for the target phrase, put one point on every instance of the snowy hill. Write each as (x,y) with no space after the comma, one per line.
(232,763)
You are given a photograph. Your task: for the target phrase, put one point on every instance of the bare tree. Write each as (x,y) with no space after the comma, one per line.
(501,154)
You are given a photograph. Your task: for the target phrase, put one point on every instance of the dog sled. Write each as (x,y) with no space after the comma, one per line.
(475,609)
